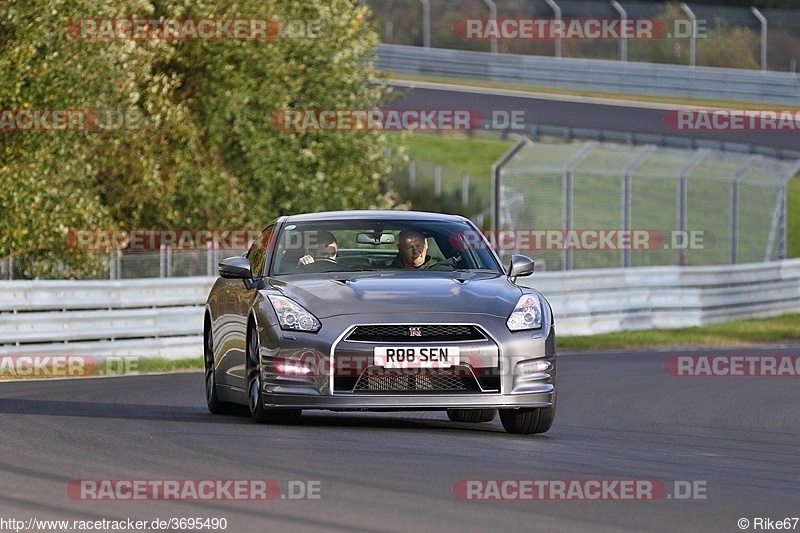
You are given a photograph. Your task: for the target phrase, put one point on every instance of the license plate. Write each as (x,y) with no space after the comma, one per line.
(416,356)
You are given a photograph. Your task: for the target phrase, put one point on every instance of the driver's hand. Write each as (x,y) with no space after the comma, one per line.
(306,260)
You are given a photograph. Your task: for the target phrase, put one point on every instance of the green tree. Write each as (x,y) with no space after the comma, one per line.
(206,153)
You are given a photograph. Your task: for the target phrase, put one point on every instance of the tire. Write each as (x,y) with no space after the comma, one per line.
(471,415)
(527,421)
(255,402)
(215,405)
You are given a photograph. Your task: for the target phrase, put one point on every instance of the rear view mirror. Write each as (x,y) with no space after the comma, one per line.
(237,267)
(375,240)
(521,265)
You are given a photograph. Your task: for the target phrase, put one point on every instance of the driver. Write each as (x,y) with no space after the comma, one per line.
(326,249)
(412,247)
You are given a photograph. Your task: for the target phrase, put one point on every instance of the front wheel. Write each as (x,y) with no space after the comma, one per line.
(527,421)
(255,402)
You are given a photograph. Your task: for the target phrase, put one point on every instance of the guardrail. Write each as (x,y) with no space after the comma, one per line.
(605,300)
(140,317)
(164,317)
(595,74)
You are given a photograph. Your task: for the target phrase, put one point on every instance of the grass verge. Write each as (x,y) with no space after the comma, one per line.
(169,365)
(472,155)
(739,332)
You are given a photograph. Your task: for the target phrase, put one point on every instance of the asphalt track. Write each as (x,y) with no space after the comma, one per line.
(621,415)
(576,112)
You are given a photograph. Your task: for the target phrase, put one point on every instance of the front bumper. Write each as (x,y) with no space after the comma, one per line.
(492,361)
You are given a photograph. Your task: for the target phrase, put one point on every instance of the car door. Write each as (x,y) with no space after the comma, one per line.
(238,295)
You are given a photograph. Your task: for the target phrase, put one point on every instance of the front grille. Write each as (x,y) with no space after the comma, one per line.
(412,333)
(378,380)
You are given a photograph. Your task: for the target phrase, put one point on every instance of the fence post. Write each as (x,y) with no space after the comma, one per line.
(162,261)
(557,13)
(112,266)
(567,192)
(412,174)
(763,22)
(209,259)
(465,190)
(492,15)
(623,42)
(426,23)
(437,180)
(497,170)
(627,183)
(693,36)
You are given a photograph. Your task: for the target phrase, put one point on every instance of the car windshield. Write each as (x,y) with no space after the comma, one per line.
(351,246)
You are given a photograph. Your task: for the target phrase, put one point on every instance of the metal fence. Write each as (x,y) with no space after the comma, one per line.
(765,38)
(709,83)
(437,188)
(167,262)
(164,317)
(560,202)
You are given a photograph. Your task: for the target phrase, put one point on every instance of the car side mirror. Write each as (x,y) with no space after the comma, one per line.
(235,268)
(521,265)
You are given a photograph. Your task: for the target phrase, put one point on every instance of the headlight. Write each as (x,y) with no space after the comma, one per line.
(292,315)
(527,314)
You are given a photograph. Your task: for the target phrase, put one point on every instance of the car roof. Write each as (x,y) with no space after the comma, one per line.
(375,214)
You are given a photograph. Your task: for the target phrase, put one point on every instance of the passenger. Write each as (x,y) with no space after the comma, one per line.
(412,247)
(326,248)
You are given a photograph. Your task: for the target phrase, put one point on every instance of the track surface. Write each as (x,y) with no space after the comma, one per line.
(576,112)
(620,416)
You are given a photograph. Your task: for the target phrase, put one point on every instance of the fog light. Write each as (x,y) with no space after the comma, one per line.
(532,367)
(292,369)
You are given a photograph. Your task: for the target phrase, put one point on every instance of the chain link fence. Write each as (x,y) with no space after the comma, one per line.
(590,204)
(167,262)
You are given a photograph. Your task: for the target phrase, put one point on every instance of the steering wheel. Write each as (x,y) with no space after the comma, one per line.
(325,259)
(444,264)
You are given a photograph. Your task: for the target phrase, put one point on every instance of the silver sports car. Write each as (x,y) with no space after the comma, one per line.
(383,311)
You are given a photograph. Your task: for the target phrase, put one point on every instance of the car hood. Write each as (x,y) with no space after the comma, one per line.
(401,292)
